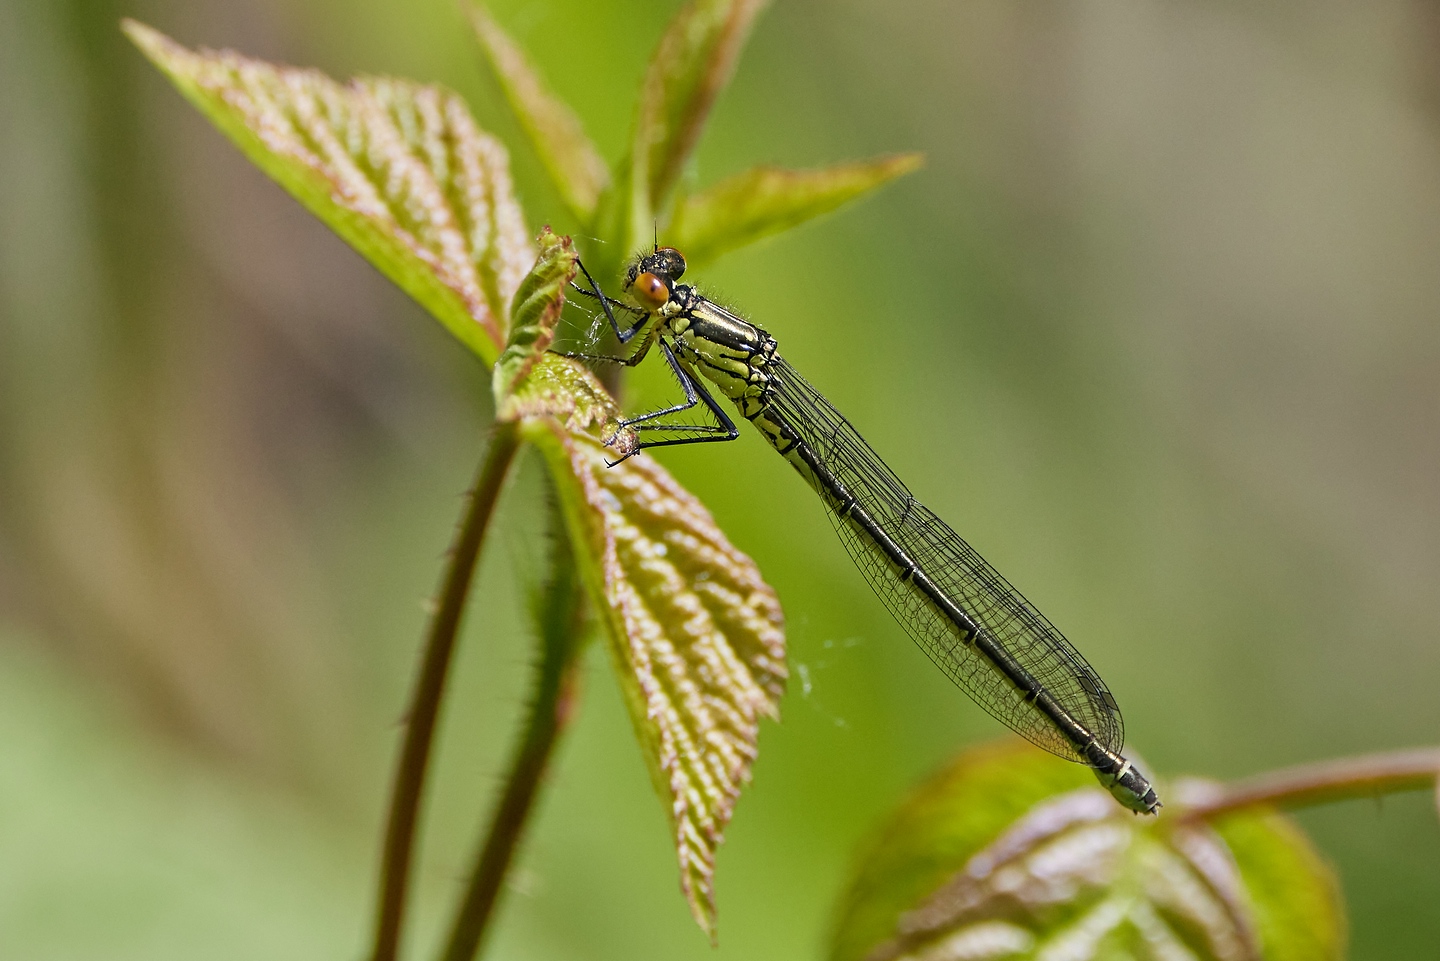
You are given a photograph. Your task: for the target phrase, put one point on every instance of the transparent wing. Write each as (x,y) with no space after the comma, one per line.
(998,609)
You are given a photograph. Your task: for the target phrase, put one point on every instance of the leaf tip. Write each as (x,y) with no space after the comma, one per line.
(480,18)
(900,164)
(486,29)
(702,909)
(157,47)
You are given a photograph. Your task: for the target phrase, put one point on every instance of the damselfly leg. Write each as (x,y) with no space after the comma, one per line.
(695,394)
(624,335)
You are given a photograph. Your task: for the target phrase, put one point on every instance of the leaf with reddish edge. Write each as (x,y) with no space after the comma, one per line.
(400,170)
(1010,852)
(763,201)
(575,167)
(691,65)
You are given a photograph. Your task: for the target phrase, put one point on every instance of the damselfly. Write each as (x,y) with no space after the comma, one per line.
(977,628)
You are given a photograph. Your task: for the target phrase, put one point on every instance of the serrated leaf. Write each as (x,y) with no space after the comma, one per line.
(575,167)
(762,201)
(697,635)
(400,170)
(1010,853)
(691,65)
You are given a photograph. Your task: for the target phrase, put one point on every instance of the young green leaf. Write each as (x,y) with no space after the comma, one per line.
(689,68)
(575,167)
(762,201)
(1296,907)
(532,385)
(400,170)
(697,635)
(1009,852)
(534,312)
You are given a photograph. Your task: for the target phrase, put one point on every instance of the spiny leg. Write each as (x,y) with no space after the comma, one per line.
(686,384)
(629,332)
(628,308)
(695,393)
(624,336)
(637,355)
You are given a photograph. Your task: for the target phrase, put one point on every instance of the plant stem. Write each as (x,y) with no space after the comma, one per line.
(560,613)
(1369,775)
(429,686)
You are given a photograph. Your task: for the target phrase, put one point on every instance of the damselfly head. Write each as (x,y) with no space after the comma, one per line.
(651,277)
(664,262)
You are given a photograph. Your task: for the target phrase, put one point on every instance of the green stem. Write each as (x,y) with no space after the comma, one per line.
(429,686)
(1367,776)
(561,617)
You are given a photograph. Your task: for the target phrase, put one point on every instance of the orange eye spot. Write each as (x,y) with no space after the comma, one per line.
(650,291)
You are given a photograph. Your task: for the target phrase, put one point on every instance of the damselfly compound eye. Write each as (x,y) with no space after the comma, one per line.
(673,260)
(650,291)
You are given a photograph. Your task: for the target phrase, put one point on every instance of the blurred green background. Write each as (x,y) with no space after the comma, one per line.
(1155,330)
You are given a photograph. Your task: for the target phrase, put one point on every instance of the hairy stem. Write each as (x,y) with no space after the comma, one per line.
(560,614)
(1369,775)
(429,686)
